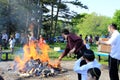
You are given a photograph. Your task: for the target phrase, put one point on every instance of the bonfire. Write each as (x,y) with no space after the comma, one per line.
(35,61)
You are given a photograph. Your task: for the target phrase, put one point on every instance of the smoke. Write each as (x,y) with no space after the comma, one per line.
(19,52)
(21,13)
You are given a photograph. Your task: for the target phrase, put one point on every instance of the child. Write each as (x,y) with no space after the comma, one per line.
(87,44)
(89,57)
(93,74)
(12,43)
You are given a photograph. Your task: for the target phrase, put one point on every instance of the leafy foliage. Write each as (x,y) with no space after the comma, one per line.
(116,18)
(93,24)
(18,14)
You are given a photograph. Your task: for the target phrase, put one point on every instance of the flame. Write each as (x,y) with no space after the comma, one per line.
(44,49)
(21,64)
(55,64)
(30,51)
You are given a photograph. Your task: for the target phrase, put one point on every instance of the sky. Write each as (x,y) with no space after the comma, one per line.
(101,7)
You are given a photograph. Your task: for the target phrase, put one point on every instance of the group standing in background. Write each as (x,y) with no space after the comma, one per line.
(91,39)
(17,38)
(86,66)
(86,42)
(12,43)
(4,39)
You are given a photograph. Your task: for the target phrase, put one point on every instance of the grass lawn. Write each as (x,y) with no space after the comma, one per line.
(61,45)
(54,54)
(10,56)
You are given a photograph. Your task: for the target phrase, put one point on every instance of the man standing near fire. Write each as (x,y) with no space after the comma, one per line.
(114,56)
(74,45)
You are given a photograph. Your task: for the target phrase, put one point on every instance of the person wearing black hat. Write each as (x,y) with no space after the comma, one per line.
(89,57)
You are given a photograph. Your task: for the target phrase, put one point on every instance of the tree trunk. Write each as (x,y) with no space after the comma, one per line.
(40,19)
(51,28)
(27,16)
(56,19)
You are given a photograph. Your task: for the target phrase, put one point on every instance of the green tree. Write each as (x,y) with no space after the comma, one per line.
(3,14)
(62,11)
(19,14)
(93,24)
(116,18)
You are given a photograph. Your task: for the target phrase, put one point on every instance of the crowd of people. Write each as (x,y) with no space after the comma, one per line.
(86,66)
(8,42)
(86,58)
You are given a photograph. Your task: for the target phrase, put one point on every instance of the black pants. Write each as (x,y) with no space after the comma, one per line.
(80,54)
(17,41)
(4,44)
(113,68)
(82,63)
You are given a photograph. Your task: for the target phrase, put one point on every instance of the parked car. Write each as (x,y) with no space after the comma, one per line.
(60,39)
(56,39)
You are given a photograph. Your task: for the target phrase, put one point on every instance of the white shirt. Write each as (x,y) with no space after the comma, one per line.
(87,46)
(114,41)
(32,38)
(12,43)
(83,69)
(5,36)
(17,35)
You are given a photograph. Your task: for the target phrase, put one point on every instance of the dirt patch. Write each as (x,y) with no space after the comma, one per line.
(69,75)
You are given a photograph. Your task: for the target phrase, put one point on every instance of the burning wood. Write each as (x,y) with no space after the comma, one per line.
(38,68)
(24,75)
(35,64)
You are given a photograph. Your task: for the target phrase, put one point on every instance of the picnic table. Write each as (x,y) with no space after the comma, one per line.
(99,54)
(6,52)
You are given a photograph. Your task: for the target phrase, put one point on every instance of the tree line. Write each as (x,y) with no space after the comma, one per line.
(49,17)
(37,16)
(94,24)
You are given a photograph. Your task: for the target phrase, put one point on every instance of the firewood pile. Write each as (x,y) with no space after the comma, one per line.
(39,68)
(8,73)
(33,63)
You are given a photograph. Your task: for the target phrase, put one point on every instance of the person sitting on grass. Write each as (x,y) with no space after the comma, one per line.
(93,74)
(89,57)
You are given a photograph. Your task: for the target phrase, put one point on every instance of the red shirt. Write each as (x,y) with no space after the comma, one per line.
(73,41)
